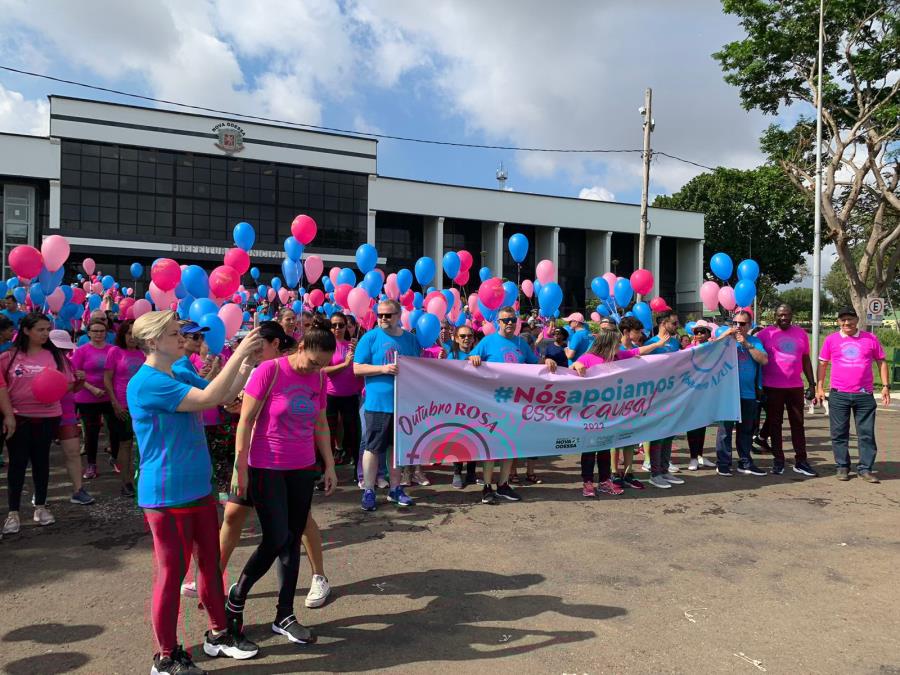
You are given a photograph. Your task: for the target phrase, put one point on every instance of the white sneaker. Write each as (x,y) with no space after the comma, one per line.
(660,482)
(674,480)
(383,483)
(420,478)
(12,524)
(361,485)
(189,589)
(42,516)
(319,590)
(705,463)
(404,478)
(694,465)
(646,465)
(674,468)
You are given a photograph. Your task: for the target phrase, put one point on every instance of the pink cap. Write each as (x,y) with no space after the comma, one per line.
(575,316)
(61,339)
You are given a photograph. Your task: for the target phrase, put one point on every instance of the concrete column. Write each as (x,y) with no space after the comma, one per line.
(434,247)
(492,247)
(546,245)
(54,215)
(689,272)
(598,254)
(370,227)
(652,262)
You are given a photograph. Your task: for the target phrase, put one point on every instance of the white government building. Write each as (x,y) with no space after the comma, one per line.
(125,184)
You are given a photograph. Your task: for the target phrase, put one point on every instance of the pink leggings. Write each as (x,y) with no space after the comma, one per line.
(176,532)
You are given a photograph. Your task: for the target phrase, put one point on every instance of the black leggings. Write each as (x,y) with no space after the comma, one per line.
(696,438)
(90,422)
(282,500)
(604,470)
(31,442)
(347,407)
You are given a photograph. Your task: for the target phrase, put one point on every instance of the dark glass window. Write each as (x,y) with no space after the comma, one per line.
(623,253)
(571,268)
(510,269)
(464,235)
(399,237)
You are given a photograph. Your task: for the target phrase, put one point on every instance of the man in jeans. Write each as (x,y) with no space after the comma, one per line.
(751,356)
(787,347)
(851,353)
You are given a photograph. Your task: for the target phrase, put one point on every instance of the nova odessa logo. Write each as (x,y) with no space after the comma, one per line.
(567,443)
(231,137)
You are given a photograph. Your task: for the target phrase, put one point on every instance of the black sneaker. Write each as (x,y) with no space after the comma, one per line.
(724,471)
(762,443)
(805,469)
(508,493)
(470,478)
(752,470)
(179,663)
(234,612)
(128,491)
(294,631)
(232,645)
(778,469)
(488,496)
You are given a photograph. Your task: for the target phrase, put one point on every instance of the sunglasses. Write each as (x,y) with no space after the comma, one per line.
(507,321)
(467,336)
(386,315)
(194,336)
(700,331)
(739,323)
(338,325)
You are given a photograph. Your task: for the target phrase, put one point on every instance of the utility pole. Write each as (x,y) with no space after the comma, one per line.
(647,112)
(817,216)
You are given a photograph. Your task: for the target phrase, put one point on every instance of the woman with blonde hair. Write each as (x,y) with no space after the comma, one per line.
(175,484)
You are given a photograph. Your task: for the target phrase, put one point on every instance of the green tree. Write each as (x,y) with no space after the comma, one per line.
(775,67)
(750,214)
(800,300)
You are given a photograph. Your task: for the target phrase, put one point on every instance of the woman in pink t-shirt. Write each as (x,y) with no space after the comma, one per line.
(122,362)
(92,401)
(36,422)
(283,424)
(343,388)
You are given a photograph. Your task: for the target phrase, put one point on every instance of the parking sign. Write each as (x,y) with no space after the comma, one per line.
(875,312)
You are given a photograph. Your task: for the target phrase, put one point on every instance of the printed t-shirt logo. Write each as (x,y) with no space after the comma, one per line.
(390,353)
(851,352)
(302,405)
(787,346)
(511,356)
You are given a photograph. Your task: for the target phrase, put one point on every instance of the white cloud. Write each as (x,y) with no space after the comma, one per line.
(21,116)
(597,193)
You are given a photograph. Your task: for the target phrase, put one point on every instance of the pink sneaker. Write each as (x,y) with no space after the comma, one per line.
(90,472)
(609,488)
(588,489)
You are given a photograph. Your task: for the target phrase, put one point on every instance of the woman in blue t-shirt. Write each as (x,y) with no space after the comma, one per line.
(460,347)
(174,486)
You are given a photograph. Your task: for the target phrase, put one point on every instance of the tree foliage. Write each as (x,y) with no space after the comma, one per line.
(750,214)
(775,66)
(800,300)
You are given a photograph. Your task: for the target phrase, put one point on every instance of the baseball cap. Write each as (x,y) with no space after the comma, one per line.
(189,327)
(61,339)
(575,316)
(847,311)
(271,330)
(702,323)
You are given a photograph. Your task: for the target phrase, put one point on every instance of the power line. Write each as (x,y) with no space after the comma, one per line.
(681,159)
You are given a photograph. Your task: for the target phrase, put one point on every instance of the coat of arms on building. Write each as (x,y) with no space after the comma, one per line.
(231,137)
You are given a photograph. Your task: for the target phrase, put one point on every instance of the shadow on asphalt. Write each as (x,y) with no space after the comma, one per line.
(445,629)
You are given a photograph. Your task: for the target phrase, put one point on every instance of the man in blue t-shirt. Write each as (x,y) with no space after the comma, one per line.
(580,338)
(11,311)
(504,346)
(751,357)
(375,358)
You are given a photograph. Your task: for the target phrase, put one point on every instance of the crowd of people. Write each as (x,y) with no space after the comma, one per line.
(268,420)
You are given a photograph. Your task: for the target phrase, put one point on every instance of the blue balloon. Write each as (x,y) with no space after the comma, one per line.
(148,298)
(180,291)
(20,292)
(275,283)
(510,293)
(689,327)
(600,286)
(12,283)
(80,277)
(460,320)
(537,288)
(247,317)
(293,249)
(417,302)
(721,266)
(184,307)
(451,263)
(49,281)
(428,327)
(94,301)
(404,280)
(424,270)
(244,236)
(327,285)
(291,272)
(641,311)
(488,314)
(450,298)
(748,270)
(254,272)
(602,310)
(70,311)
(366,258)
(297,306)
(195,281)
(215,336)
(263,291)
(414,317)
(744,292)
(518,247)
(720,330)
(108,282)
(623,292)
(549,298)
(136,270)
(67,293)
(37,295)
(372,283)
(301,291)
(201,307)
(485,273)
(346,276)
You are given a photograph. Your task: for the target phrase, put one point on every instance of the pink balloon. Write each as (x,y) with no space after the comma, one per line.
(78,295)
(160,297)
(404,318)
(726,298)
(239,259)
(89,266)
(313,267)
(391,289)
(129,291)
(473,303)
(709,295)
(55,250)
(358,301)
(223,281)
(611,280)
(457,300)
(56,299)
(465,260)
(26,261)
(487,328)
(368,320)
(462,278)
(407,299)
(140,307)
(341,294)
(528,288)
(595,316)
(126,304)
(545,272)
(437,306)
(87,286)
(642,281)
(49,386)
(97,288)
(333,275)
(165,273)
(659,305)
(304,229)
(491,293)
(283,295)
(317,297)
